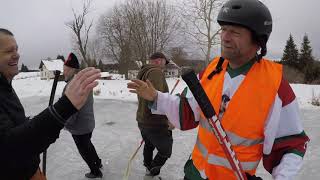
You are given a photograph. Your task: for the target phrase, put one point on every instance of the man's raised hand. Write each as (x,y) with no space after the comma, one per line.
(81,85)
(143,89)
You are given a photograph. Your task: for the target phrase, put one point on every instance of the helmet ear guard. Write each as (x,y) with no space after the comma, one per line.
(251,14)
(262,43)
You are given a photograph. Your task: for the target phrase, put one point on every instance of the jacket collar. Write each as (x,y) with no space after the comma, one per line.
(4,82)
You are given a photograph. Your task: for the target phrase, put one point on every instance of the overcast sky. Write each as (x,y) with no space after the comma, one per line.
(39,25)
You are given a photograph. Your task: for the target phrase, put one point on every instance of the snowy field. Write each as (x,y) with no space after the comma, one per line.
(116,135)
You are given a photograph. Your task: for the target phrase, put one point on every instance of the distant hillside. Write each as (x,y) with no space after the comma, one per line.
(293,75)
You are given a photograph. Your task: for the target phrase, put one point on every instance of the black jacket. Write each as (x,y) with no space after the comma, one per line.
(22,139)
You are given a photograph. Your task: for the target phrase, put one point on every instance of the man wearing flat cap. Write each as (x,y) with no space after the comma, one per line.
(154,128)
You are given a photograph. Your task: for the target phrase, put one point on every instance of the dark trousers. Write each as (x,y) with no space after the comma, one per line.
(87,151)
(156,139)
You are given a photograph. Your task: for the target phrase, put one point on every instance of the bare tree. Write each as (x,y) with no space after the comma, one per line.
(116,33)
(137,28)
(178,56)
(81,30)
(95,50)
(199,17)
(153,24)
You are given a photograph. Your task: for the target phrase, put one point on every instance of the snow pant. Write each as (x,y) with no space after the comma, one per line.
(87,151)
(160,139)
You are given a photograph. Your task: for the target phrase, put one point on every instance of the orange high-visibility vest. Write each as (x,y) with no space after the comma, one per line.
(38,176)
(243,120)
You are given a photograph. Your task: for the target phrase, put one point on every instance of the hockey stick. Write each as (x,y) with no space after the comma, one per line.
(205,105)
(175,85)
(128,169)
(171,126)
(53,91)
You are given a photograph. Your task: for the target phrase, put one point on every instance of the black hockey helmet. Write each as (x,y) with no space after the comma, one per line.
(251,14)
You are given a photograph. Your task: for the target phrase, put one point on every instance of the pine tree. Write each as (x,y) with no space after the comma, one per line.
(83,64)
(305,56)
(307,61)
(61,57)
(178,55)
(24,68)
(100,65)
(93,63)
(290,53)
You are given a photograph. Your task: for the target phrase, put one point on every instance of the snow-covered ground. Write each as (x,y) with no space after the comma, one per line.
(116,135)
(29,84)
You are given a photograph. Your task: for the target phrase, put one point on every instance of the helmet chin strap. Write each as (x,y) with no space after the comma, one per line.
(218,68)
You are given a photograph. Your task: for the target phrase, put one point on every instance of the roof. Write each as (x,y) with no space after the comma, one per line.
(51,65)
(105,74)
(172,65)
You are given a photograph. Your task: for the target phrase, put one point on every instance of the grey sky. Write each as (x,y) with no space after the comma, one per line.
(39,25)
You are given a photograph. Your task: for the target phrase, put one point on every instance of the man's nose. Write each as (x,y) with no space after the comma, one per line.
(16,55)
(225,36)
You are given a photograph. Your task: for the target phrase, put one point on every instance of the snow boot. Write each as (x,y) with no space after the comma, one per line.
(92,175)
(155,170)
(99,163)
(152,178)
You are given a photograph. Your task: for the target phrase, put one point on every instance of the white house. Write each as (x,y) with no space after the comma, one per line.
(47,67)
(134,69)
(132,73)
(172,70)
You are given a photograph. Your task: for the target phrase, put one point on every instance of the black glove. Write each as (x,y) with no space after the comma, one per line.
(249,177)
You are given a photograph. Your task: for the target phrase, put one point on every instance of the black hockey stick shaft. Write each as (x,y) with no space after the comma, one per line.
(205,105)
(53,92)
(201,97)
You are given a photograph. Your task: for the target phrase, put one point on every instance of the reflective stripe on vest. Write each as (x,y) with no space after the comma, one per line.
(234,139)
(220,161)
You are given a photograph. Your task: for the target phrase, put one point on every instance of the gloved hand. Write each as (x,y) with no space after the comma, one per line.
(249,177)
